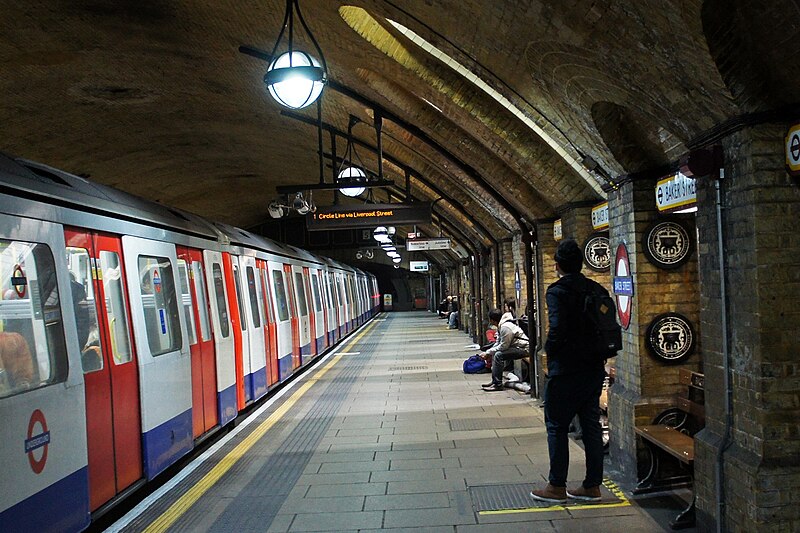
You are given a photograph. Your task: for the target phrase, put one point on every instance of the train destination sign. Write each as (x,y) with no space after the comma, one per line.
(359,216)
(419,245)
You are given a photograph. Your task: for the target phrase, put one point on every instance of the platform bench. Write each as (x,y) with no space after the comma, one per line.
(672,436)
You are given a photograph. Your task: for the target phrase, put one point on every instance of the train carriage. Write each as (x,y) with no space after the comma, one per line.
(130,331)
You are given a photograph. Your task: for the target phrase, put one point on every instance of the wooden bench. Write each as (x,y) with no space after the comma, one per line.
(672,436)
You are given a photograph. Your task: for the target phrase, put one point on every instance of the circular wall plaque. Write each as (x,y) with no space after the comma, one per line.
(667,244)
(597,252)
(671,337)
(623,285)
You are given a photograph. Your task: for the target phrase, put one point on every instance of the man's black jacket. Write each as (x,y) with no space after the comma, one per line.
(568,346)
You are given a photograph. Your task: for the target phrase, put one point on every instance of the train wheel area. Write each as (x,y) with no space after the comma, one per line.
(385,432)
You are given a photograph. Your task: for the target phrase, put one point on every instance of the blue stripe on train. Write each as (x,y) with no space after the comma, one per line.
(257,381)
(285,367)
(165,444)
(226,401)
(63,506)
(320,343)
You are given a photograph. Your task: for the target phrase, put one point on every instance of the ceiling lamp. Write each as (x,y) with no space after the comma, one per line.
(295,79)
(392,254)
(351,173)
(396,259)
(380,234)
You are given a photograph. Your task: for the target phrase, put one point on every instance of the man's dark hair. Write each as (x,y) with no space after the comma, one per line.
(569,256)
(495,315)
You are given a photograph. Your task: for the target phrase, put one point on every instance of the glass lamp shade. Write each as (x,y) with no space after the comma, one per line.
(380,234)
(396,259)
(393,254)
(351,175)
(295,79)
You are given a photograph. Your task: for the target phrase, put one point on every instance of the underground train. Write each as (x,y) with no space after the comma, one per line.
(131,331)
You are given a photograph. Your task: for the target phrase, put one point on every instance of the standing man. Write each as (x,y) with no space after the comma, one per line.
(574,381)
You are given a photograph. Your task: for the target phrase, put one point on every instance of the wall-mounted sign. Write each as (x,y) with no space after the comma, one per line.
(675,192)
(623,285)
(600,216)
(359,216)
(420,245)
(418,266)
(557,235)
(517,283)
(793,150)
(597,252)
(670,337)
(667,244)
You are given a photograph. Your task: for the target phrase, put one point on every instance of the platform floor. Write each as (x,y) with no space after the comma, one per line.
(387,433)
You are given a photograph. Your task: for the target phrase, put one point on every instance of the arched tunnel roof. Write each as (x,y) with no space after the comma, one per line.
(507,110)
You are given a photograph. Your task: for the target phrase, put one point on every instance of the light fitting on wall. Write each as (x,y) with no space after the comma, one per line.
(295,79)
(350,173)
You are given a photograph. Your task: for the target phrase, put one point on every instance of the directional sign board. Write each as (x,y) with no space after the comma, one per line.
(793,150)
(418,245)
(363,215)
(418,266)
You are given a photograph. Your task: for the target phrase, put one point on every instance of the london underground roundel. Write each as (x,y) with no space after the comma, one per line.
(623,285)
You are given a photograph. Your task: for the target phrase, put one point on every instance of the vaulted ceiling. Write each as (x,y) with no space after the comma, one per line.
(498,106)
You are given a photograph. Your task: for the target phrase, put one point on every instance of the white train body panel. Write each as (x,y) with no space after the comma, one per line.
(223,335)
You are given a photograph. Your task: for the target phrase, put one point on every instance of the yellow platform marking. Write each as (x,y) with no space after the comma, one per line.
(607,483)
(185,502)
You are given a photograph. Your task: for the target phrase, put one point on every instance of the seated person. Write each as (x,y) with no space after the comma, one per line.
(452,322)
(511,344)
(16,361)
(444,307)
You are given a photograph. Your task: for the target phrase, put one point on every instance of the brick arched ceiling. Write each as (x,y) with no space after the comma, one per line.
(155,98)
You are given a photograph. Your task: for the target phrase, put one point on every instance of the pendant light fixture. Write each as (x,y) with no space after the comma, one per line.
(349,172)
(295,79)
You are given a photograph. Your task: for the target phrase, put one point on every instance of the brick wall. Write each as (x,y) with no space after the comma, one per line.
(761,209)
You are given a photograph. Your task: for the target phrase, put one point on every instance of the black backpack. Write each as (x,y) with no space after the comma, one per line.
(600,315)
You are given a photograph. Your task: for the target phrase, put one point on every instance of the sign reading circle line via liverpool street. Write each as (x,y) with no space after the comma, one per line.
(623,285)
(368,215)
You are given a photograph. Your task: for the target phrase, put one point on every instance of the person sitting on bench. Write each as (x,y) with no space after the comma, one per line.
(511,344)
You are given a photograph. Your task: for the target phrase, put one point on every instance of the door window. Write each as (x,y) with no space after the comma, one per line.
(301,293)
(280,295)
(116,307)
(160,303)
(33,350)
(202,300)
(186,301)
(254,291)
(219,296)
(238,285)
(81,282)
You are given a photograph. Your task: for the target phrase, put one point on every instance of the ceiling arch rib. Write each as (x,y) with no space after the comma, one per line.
(499,115)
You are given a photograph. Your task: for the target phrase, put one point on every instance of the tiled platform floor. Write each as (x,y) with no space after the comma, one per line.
(387,434)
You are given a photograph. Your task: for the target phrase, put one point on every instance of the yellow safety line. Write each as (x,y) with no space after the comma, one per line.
(185,502)
(610,485)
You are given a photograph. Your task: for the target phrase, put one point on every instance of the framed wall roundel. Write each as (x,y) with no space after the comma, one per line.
(667,244)
(670,338)
(597,252)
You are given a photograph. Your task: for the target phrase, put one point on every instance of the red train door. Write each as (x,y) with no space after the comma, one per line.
(108,356)
(201,342)
(271,332)
(312,311)
(293,312)
(236,322)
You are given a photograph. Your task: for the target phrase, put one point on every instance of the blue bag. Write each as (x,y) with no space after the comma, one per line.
(475,365)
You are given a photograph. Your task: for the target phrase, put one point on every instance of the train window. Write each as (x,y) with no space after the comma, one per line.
(238,285)
(116,307)
(254,290)
(301,293)
(81,284)
(267,303)
(280,295)
(160,303)
(332,288)
(202,299)
(33,350)
(186,301)
(316,289)
(219,296)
